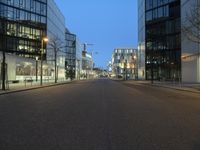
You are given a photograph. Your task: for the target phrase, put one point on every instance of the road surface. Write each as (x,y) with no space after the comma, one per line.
(100,115)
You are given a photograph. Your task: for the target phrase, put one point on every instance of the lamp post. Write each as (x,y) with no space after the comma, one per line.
(78,70)
(44,40)
(152,68)
(135,66)
(125,69)
(36,70)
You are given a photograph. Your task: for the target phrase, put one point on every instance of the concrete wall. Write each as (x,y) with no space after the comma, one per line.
(13,61)
(190,65)
(11,66)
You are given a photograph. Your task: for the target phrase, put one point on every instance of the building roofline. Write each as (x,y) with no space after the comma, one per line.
(125,48)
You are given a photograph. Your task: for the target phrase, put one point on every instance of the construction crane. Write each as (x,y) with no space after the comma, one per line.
(85,46)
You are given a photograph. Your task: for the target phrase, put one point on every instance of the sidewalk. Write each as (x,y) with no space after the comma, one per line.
(22,86)
(190,87)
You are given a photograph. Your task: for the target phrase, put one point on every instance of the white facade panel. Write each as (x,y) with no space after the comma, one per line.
(190,49)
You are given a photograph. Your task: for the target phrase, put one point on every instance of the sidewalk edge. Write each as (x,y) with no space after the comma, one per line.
(162,86)
(34,88)
(174,88)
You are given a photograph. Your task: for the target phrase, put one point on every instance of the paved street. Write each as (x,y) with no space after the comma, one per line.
(100,115)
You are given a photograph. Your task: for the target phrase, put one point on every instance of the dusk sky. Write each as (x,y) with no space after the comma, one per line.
(108,24)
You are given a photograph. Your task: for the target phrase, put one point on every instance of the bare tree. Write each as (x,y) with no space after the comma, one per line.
(56,44)
(191,27)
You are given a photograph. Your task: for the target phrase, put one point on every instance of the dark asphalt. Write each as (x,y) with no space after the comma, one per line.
(100,115)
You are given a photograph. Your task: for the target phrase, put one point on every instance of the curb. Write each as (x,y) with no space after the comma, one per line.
(178,89)
(34,88)
(173,88)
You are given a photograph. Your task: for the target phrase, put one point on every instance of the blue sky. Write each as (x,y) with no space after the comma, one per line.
(108,24)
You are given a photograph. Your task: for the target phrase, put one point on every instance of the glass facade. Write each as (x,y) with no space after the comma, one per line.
(163,39)
(124,62)
(23,23)
(56,34)
(70,61)
(79,49)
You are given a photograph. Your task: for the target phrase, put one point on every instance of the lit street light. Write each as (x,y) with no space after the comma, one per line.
(36,70)
(135,67)
(44,40)
(125,69)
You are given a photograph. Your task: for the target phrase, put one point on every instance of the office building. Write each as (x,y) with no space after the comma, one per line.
(87,66)
(164,43)
(23,25)
(73,55)
(70,60)
(124,63)
(56,34)
(163,35)
(79,49)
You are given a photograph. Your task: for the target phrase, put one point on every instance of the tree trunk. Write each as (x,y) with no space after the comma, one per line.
(3,65)
(55,52)
(4,71)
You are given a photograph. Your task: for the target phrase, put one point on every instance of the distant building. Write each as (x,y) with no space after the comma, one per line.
(70,61)
(79,49)
(73,62)
(124,63)
(87,65)
(109,68)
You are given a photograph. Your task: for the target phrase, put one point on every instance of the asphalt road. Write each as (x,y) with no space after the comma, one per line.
(100,115)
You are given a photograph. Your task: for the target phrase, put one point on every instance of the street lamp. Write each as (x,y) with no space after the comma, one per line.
(135,67)
(44,40)
(36,70)
(125,69)
(152,68)
(79,69)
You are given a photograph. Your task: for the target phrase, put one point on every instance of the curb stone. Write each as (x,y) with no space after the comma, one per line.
(178,89)
(174,88)
(33,88)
